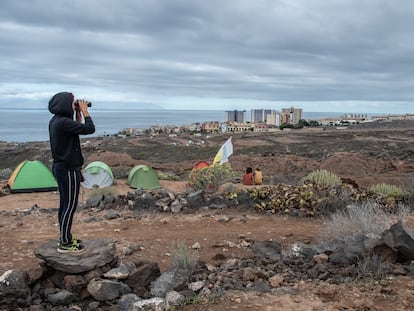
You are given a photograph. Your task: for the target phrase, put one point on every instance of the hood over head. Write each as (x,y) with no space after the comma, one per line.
(61,104)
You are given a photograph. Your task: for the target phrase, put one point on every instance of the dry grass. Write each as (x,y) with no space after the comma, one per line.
(183,258)
(355,220)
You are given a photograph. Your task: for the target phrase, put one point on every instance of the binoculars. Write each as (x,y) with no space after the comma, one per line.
(77,103)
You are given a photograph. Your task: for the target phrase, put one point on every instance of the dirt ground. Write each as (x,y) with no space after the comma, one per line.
(156,233)
(364,155)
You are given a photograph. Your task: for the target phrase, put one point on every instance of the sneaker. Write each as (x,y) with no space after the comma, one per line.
(77,242)
(70,248)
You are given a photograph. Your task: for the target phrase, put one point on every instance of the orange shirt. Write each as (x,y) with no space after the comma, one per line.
(258,178)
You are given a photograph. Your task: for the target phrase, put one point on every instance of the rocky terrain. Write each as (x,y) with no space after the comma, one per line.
(231,239)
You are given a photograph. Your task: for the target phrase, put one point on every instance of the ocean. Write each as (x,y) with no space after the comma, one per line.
(26,125)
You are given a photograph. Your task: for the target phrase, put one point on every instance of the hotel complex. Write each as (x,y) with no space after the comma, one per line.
(236,121)
(265,116)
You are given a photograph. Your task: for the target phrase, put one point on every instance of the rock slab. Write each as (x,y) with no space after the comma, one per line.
(97,254)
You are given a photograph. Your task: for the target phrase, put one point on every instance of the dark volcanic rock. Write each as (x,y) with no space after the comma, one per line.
(97,254)
(400,238)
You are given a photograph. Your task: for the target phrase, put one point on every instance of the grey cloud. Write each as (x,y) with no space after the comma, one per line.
(258,50)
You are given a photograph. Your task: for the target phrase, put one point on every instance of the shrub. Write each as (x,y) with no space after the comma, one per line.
(345,225)
(334,203)
(391,191)
(323,178)
(182,258)
(210,178)
(121,171)
(373,267)
(103,191)
(167,176)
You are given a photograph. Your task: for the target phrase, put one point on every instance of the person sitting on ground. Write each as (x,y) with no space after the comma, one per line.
(258,176)
(248,177)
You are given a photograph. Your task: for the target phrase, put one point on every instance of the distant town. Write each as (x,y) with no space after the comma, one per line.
(264,120)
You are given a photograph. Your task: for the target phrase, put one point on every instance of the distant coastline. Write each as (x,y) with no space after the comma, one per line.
(31,124)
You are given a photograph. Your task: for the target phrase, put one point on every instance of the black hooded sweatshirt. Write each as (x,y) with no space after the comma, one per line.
(64,132)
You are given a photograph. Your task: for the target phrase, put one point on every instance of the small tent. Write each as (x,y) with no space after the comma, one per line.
(143,177)
(97,174)
(201,164)
(30,176)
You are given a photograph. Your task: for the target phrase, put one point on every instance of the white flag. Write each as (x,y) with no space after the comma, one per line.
(224,153)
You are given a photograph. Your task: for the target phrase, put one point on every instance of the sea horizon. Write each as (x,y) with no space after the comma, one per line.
(31,124)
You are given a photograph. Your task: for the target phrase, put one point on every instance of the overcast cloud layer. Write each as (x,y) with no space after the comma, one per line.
(321,55)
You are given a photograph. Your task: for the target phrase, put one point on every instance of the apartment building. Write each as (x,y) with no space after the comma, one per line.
(211,127)
(260,115)
(237,127)
(295,114)
(235,116)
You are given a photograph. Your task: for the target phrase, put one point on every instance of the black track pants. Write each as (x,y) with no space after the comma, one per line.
(68,183)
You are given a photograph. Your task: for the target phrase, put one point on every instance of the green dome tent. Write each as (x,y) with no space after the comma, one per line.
(97,174)
(30,176)
(143,177)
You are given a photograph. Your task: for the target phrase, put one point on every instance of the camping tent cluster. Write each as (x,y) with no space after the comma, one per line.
(31,176)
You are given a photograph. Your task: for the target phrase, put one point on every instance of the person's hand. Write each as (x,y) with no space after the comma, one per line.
(83,107)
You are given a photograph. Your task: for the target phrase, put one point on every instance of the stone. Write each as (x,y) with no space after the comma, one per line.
(276,280)
(400,238)
(143,275)
(267,249)
(143,201)
(105,290)
(196,199)
(261,286)
(14,289)
(351,252)
(74,283)
(174,299)
(169,280)
(97,254)
(249,274)
(94,200)
(156,304)
(112,214)
(126,301)
(196,286)
(176,206)
(62,297)
(321,258)
(121,272)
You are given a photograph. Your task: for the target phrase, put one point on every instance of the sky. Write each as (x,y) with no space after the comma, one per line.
(352,56)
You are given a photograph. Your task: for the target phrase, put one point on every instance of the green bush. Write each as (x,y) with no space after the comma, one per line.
(210,178)
(167,176)
(323,178)
(390,191)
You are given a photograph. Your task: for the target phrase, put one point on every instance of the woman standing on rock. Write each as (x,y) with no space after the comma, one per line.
(68,160)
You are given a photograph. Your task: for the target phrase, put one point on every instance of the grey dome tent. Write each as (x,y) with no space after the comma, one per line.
(143,177)
(97,174)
